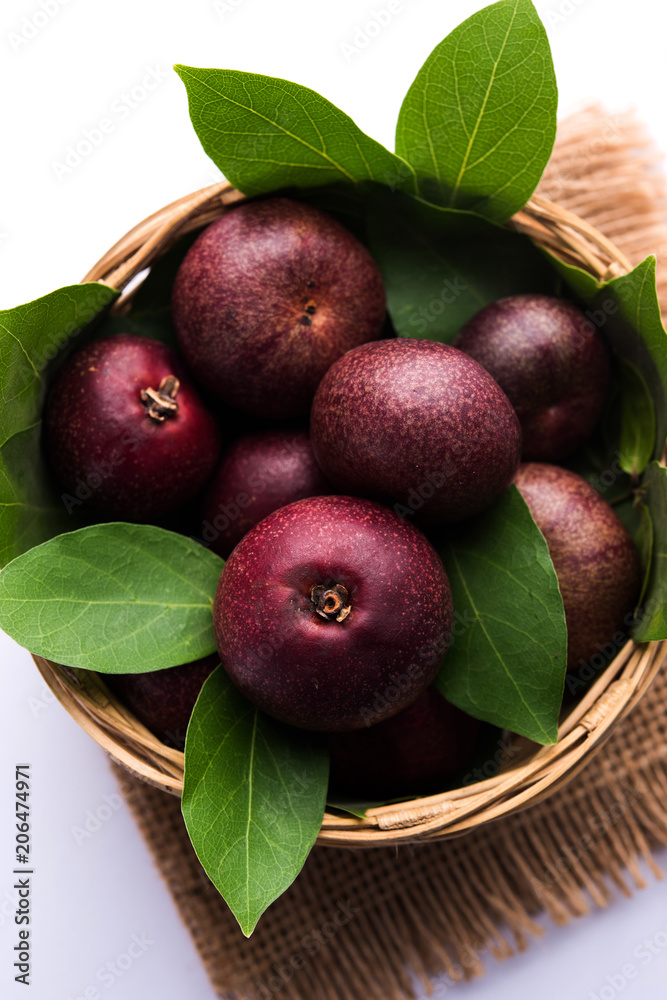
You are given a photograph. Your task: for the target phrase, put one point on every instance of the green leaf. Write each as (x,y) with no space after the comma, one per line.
(637,434)
(636,517)
(583,284)
(643,537)
(627,510)
(264,133)
(479,122)
(637,335)
(32,337)
(118,598)
(253,797)
(441,266)
(506,663)
(652,624)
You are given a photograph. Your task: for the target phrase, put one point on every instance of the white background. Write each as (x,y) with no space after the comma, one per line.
(92,895)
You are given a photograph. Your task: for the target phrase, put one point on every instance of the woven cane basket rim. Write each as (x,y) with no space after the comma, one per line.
(537,771)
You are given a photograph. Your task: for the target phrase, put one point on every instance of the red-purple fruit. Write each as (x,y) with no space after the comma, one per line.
(268,297)
(332,613)
(594,557)
(163,700)
(417,421)
(126,431)
(413,752)
(551,361)
(258,474)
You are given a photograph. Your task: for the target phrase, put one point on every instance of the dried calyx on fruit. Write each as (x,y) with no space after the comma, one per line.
(161,403)
(331,602)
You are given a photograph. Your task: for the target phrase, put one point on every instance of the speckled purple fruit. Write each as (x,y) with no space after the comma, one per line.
(594,557)
(551,361)
(377,648)
(419,422)
(413,752)
(103,445)
(258,474)
(268,297)
(163,700)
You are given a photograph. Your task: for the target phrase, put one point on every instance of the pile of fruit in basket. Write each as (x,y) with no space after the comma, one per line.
(330,590)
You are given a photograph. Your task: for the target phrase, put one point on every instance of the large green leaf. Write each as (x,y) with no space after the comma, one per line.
(253,797)
(264,133)
(637,420)
(652,622)
(506,663)
(32,337)
(637,335)
(643,536)
(118,598)
(583,284)
(441,266)
(479,122)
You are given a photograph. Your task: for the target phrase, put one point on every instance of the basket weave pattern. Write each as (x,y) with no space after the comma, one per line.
(532,774)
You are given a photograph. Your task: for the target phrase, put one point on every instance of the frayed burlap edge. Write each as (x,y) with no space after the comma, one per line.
(371,924)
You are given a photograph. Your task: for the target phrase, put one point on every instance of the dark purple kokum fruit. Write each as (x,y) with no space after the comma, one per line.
(413,752)
(268,297)
(258,474)
(594,557)
(126,431)
(551,361)
(332,613)
(417,421)
(163,700)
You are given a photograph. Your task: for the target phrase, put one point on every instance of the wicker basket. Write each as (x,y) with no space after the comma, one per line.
(536,771)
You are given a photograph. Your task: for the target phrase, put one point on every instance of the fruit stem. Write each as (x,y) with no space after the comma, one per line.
(331,602)
(161,402)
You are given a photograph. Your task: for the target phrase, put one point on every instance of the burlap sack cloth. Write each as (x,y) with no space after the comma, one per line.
(363,923)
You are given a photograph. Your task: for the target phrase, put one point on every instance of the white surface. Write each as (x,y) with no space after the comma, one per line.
(92,894)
